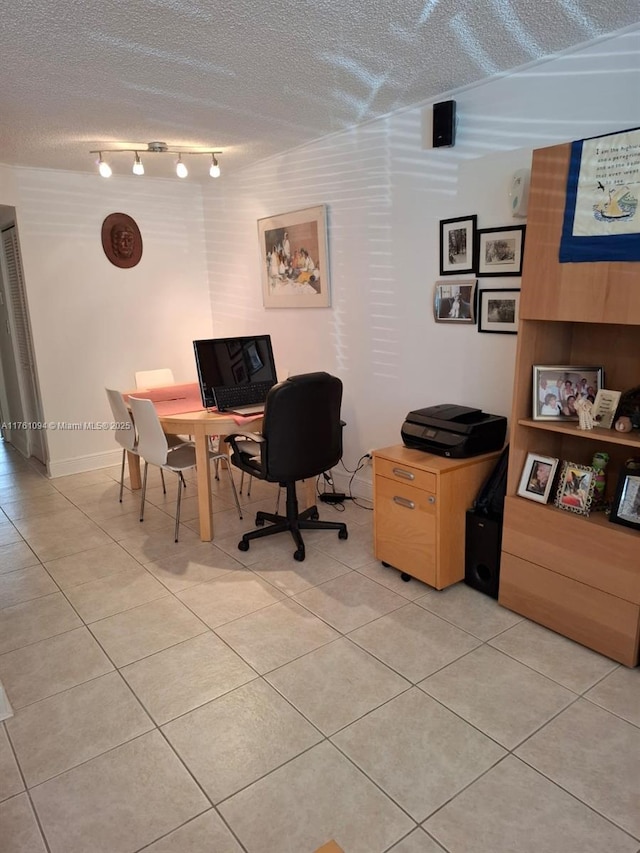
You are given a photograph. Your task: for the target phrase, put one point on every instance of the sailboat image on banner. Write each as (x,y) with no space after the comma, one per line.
(620,206)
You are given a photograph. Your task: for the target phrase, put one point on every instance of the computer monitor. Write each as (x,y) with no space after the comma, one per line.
(235,372)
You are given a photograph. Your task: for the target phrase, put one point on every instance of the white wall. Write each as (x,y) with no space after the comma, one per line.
(386,194)
(93,323)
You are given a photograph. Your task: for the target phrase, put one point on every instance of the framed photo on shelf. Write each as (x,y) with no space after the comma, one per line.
(625,508)
(498,310)
(604,407)
(576,487)
(294,259)
(500,250)
(454,301)
(537,477)
(557,387)
(458,245)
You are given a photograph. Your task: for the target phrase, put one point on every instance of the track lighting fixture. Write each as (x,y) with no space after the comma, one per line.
(157,148)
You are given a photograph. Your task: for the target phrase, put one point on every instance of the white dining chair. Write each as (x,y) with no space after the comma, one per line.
(154,378)
(163,376)
(125,431)
(127,436)
(154,449)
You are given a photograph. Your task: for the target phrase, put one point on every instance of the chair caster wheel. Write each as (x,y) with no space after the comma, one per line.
(405,577)
(343,534)
(386,565)
(299,555)
(243,546)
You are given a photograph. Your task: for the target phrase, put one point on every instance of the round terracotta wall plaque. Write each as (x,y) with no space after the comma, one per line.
(121,240)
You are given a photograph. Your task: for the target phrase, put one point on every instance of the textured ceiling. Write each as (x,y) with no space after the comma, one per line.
(252,79)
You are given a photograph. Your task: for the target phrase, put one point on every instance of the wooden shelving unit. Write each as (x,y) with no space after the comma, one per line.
(578,575)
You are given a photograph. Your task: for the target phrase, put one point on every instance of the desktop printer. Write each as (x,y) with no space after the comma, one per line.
(456,431)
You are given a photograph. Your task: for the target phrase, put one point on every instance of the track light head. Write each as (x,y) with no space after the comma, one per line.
(181,169)
(103,167)
(214,169)
(138,168)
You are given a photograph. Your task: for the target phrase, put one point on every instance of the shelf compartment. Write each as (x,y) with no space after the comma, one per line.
(609,436)
(553,538)
(589,616)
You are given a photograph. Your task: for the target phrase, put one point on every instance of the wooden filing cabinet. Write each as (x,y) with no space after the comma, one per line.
(419,505)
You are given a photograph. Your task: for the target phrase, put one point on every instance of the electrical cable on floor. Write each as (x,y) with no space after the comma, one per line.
(337,502)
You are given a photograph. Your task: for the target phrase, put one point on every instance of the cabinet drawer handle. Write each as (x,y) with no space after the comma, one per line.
(404,502)
(407,475)
(431,499)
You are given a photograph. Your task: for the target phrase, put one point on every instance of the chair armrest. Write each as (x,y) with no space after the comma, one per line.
(253,436)
(244,458)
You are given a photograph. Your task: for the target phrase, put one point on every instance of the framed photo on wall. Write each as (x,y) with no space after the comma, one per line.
(557,387)
(499,311)
(294,259)
(537,477)
(458,245)
(500,250)
(625,509)
(454,301)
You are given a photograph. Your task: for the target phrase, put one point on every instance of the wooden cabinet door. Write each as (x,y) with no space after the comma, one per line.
(405,528)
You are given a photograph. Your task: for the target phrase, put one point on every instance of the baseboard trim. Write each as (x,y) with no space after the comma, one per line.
(80,464)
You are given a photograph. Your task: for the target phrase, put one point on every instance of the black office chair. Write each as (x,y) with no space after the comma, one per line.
(301,438)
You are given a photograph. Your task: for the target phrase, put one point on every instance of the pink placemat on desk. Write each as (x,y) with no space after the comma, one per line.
(181,399)
(173,399)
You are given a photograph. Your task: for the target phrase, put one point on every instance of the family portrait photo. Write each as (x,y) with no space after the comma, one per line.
(557,389)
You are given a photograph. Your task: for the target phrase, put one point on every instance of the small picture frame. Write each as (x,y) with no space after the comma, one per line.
(458,245)
(454,301)
(604,407)
(537,477)
(557,387)
(499,311)
(625,508)
(500,250)
(576,488)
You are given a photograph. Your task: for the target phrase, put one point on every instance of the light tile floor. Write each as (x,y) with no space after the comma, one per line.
(192,698)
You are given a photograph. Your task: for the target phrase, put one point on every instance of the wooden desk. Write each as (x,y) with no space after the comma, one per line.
(200,424)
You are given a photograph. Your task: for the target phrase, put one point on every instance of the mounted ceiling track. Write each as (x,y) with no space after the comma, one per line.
(104,167)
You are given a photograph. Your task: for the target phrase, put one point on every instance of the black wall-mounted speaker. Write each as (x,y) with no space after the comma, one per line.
(483,542)
(444,124)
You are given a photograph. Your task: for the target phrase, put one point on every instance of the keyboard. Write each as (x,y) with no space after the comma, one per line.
(242,395)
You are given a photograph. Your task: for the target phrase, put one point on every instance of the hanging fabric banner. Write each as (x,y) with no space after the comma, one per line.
(602,217)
